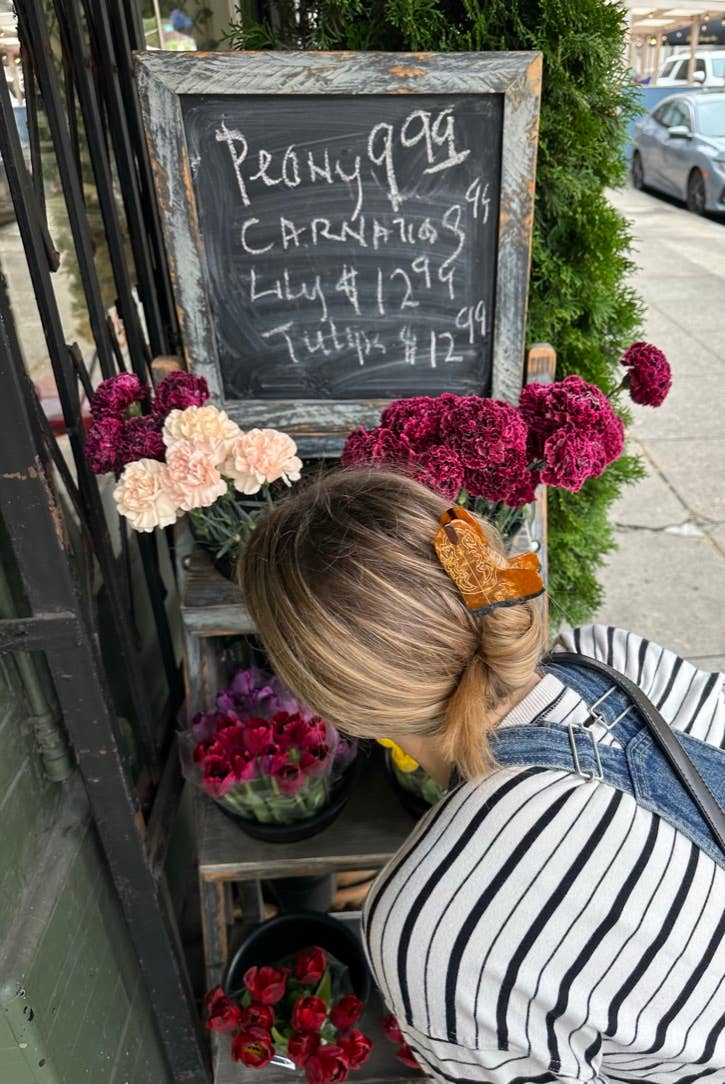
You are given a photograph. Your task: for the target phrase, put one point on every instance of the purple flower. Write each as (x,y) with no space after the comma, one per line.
(203,727)
(650,376)
(178,391)
(114,396)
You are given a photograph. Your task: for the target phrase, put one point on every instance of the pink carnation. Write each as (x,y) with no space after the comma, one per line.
(178,391)
(260,457)
(570,458)
(193,472)
(114,396)
(650,375)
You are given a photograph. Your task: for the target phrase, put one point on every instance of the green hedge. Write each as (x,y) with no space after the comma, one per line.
(579,301)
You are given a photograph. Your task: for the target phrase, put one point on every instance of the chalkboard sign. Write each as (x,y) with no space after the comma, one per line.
(345,229)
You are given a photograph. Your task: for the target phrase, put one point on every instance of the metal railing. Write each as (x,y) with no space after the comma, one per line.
(82,111)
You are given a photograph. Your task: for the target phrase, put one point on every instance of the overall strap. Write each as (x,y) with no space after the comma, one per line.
(666,739)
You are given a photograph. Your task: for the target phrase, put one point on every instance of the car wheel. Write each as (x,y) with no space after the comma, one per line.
(696,193)
(637,170)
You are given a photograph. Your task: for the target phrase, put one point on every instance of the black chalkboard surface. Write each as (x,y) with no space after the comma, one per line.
(348,256)
(345,228)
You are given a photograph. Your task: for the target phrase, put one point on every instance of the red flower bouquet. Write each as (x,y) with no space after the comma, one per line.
(490,455)
(292,1015)
(263,756)
(391,1031)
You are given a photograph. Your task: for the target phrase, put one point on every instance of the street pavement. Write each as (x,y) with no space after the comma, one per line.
(667,578)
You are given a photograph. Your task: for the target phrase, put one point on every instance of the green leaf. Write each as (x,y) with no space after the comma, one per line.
(324,987)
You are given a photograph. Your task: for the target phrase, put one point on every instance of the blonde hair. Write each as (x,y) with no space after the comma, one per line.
(361,621)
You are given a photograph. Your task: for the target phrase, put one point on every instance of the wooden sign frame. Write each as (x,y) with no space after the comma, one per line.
(164,78)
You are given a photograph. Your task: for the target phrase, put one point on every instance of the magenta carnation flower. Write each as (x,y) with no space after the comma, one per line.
(522,488)
(141,439)
(376,448)
(440,469)
(104,446)
(650,376)
(418,419)
(178,391)
(612,438)
(571,401)
(114,396)
(571,406)
(490,438)
(570,457)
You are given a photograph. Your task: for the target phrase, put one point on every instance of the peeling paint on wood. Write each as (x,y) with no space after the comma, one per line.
(403,72)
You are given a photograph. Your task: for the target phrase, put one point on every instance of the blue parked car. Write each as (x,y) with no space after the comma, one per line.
(679,148)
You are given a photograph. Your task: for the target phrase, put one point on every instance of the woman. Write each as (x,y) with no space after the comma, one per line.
(539,924)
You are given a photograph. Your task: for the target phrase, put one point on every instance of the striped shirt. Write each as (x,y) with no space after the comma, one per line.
(537,926)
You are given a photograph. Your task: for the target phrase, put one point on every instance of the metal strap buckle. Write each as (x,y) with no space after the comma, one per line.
(598,774)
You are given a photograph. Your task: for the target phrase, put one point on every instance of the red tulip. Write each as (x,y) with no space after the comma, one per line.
(257,737)
(406,1055)
(347,1012)
(217,776)
(253,1047)
(329,1064)
(300,1046)
(309,1014)
(355,1046)
(224,1014)
(310,964)
(267,985)
(289,778)
(257,1016)
(391,1029)
(315,761)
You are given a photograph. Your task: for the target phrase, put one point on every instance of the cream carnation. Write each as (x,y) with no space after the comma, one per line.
(144,495)
(193,469)
(262,456)
(203,421)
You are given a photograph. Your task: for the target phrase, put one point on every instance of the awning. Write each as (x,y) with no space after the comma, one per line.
(651,26)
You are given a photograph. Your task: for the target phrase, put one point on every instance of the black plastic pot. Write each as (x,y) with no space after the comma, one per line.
(285,935)
(303,893)
(292,833)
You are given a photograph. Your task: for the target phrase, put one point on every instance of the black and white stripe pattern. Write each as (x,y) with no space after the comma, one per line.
(540,927)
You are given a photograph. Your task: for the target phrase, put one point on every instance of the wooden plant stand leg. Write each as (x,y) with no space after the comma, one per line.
(541,369)
(215,906)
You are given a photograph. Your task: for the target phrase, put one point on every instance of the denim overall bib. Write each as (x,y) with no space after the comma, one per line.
(634,763)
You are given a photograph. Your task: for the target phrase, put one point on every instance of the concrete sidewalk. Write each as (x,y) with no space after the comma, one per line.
(667,581)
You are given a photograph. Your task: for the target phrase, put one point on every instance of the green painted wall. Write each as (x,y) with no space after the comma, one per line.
(72,1005)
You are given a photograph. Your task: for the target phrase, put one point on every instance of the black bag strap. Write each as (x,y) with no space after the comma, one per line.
(663,734)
